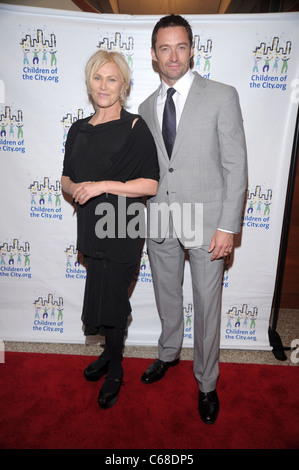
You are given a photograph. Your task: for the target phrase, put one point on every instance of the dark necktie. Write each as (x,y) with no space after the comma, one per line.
(169,122)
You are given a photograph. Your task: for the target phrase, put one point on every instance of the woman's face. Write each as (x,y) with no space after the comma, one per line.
(107,84)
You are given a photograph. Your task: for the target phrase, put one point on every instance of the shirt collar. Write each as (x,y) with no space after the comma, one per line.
(182,86)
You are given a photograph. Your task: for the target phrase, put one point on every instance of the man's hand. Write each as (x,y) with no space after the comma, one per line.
(221,244)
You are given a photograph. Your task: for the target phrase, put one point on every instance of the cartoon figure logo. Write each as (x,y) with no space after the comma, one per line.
(37,45)
(257,208)
(45,199)
(75,268)
(48,315)
(144,275)
(39,57)
(125,48)
(188,321)
(202,56)
(67,121)
(144,260)
(270,65)
(241,323)
(15,260)
(11,131)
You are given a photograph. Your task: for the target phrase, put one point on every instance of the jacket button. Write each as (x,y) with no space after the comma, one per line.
(170,170)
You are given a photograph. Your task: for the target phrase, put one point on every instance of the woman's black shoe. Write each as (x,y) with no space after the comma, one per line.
(107,399)
(93,372)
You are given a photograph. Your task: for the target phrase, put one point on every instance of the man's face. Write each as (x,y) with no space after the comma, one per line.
(172,53)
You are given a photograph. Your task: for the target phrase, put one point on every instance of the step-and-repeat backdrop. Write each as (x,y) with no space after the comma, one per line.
(43,54)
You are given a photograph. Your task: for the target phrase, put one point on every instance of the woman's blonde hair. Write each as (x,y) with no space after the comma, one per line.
(101,58)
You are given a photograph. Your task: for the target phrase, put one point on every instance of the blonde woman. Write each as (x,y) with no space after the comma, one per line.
(110,163)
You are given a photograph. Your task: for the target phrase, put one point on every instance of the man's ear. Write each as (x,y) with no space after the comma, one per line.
(153,54)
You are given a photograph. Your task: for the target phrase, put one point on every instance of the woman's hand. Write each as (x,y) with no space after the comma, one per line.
(82,192)
(87,190)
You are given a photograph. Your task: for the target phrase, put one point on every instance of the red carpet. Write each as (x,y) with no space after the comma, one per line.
(45,403)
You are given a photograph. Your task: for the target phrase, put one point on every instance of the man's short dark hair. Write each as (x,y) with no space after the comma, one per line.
(170,21)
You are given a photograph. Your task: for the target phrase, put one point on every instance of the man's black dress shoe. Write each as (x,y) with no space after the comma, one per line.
(156,371)
(94,373)
(108,399)
(208,406)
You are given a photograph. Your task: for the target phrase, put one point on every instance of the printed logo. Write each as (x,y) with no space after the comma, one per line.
(45,200)
(188,327)
(270,64)
(241,324)
(202,56)
(67,121)
(15,260)
(48,314)
(257,208)
(39,58)
(225,276)
(145,274)
(117,44)
(11,133)
(74,268)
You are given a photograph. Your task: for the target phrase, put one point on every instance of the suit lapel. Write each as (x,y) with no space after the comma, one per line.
(190,110)
(156,126)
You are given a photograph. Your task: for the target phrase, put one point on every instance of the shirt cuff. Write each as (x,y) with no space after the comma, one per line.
(227,231)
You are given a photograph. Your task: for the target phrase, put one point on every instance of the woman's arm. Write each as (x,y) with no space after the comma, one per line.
(82,192)
(67,185)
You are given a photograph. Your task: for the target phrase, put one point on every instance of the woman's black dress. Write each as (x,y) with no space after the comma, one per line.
(111,151)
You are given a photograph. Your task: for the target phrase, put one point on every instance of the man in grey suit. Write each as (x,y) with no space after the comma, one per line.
(203,173)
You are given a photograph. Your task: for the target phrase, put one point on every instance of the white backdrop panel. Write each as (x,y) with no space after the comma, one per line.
(42,58)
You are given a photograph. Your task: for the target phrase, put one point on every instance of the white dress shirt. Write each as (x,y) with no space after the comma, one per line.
(182,87)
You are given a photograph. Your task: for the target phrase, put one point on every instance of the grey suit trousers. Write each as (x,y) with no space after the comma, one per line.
(167,264)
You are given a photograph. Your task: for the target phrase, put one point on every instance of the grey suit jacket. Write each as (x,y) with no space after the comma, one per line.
(206,176)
